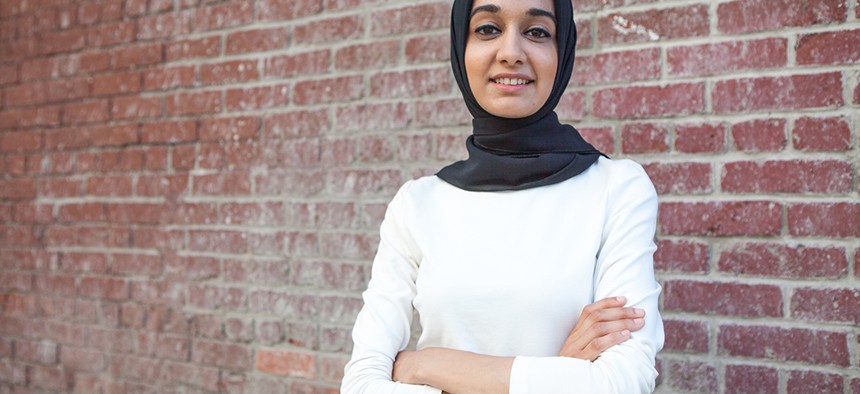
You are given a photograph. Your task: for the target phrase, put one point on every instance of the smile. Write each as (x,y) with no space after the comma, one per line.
(511,81)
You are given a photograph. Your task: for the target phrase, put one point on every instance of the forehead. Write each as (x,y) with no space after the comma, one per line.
(512,5)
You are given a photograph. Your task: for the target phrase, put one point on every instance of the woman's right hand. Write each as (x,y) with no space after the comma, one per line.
(601,325)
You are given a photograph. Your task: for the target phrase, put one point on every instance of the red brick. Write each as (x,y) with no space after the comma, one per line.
(804,177)
(686,336)
(643,101)
(137,55)
(16,281)
(136,213)
(239,330)
(164,25)
(26,94)
(778,93)
(726,57)
(427,49)
(42,352)
(352,182)
(86,112)
(653,25)
(693,376)
(622,66)
(68,89)
(748,379)
(372,117)
(218,241)
(256,214)
(108,34)
(277,10)
(730,299)
(744,16)
(135,107)
(644,138)
(367,56)
(235,71)
(104,288)
(602,138)
(410,83)
(223,15)
(759,135)
(17,189)
(279,303)
(227,183)
(784,344)
(828,48)
(194,375)
(328,275)
(824,219)
(445,112)
(284,362)
(258,40)
(700,138)
(784,261)
(328,30)
(82,359)
(680,178)
(117,83)
(744,218)
(243,99)
(83,212)
(572,106)
(216,297)
(49,378)
(256,271)
(62,41)
(302,64)
(114,135)
(9,74)
(22,141)
(229,129)
(415,18)
(13,373)
(800,382)
(826,305)
(168,78)
(328,90)
(169,132)
(194,48)
(194,103)
(821,134)
(681,256)
(228,356)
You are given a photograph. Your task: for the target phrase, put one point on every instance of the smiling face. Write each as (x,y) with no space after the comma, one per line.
(511,56)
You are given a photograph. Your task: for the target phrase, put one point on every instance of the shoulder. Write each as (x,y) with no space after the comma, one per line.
(624,175)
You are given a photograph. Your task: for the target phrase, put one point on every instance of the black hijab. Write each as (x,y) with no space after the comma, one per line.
(516,154)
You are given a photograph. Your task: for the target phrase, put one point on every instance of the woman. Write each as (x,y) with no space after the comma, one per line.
(504,254)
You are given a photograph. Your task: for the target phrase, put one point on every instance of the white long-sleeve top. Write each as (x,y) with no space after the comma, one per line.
(508,274)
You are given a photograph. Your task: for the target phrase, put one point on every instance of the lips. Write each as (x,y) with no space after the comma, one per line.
(512,79)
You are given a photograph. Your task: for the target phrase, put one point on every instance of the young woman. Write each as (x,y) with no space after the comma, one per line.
(504,254)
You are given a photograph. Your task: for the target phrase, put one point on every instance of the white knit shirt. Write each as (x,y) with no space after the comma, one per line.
(508,273)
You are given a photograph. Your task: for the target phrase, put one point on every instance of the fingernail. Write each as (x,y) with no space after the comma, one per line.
(638,321)
(625,333)
(640,311)
(621,299)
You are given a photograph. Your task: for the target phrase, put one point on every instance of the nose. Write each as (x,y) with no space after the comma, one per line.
(510,49)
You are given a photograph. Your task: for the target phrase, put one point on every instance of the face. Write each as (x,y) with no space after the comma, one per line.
(511,56)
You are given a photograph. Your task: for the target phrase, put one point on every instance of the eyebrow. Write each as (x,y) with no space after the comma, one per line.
(492,8)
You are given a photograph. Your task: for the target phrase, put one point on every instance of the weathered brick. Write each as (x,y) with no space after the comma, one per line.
(749,379)
(680,178)
(743,16)
(720,218)
(725,57)
(778,93)
(784,344)
(823,219)
(821,134)
(826,305)
(830,176)
(730,299)
(284,362)
(784,261)
(646,101)
(759,135)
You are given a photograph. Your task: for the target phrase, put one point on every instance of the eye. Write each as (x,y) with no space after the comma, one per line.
(487,30)
(538,32)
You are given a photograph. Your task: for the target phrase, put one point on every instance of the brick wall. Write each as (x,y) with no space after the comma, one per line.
(191,190)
